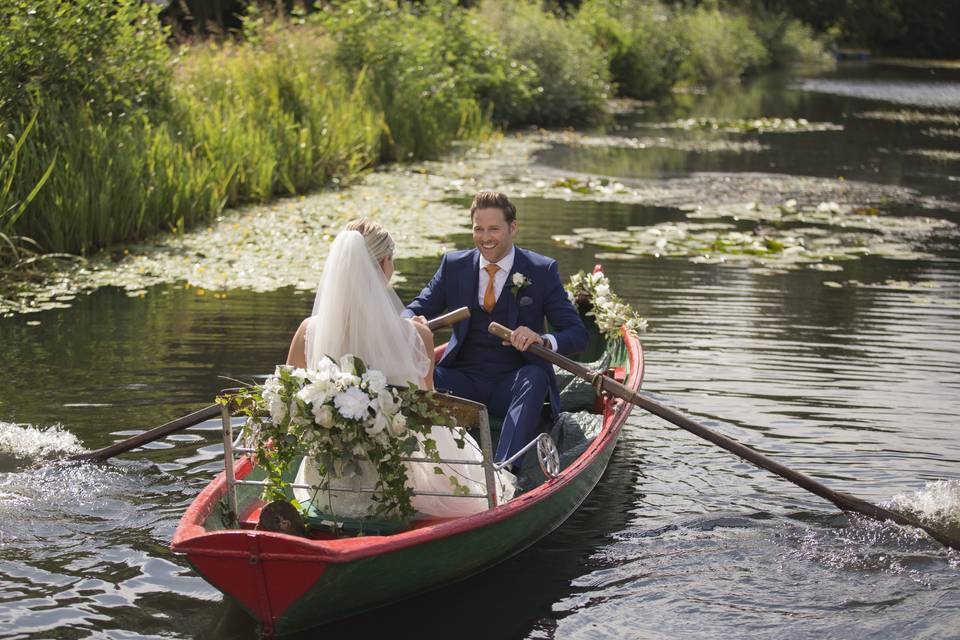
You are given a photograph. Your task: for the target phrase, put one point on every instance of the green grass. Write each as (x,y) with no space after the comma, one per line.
(109,135)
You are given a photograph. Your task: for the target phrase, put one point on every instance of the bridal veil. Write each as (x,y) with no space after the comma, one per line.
(357,312)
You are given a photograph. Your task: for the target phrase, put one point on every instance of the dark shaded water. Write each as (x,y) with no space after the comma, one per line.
(857,387)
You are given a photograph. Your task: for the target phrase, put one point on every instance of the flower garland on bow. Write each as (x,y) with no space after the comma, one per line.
(341,415)
(609,310)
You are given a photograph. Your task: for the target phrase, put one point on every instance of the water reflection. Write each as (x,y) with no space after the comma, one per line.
(857,386)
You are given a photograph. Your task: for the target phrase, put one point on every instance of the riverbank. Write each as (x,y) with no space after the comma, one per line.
(283,244)
(145,138)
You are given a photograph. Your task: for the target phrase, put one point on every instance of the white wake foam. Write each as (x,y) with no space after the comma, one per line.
(24,441)
(936,502)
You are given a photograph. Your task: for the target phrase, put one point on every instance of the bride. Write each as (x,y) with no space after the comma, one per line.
(355,311)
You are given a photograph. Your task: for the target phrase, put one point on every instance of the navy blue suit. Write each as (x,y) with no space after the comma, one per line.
(476,365)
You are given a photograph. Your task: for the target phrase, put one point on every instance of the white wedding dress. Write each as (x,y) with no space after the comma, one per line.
(356,312)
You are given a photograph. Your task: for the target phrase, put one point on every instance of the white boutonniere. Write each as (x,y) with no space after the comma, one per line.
(519,282)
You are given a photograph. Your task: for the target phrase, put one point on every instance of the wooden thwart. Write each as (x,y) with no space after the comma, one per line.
(843,501)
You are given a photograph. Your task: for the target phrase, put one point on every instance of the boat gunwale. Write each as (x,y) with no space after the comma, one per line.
(190,536)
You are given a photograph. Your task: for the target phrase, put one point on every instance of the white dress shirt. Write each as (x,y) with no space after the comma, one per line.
(499,280)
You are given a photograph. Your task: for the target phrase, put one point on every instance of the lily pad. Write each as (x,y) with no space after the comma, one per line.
(778,238)
(750,125)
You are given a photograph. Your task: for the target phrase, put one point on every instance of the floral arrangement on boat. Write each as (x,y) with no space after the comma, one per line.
(609,310)
(342,415)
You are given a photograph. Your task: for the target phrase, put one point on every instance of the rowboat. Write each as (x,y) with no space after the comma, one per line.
(289,583)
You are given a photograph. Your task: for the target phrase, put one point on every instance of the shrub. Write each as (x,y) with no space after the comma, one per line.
(787,40)
(573,78)
(640,42)
(720,46)
(108,54)
(427,68)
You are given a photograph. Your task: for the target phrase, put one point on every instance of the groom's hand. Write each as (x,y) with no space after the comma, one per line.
(523,337)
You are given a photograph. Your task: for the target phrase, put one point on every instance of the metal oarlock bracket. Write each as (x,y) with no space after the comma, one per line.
(548,456)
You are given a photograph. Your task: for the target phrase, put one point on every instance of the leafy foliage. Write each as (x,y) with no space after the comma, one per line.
(641,42)
(429,70)
(572,75)
(110,55)
(721,46)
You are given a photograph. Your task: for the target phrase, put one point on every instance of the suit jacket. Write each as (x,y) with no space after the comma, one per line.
(455,285)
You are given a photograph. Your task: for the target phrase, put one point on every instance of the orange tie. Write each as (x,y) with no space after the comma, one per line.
(490,296)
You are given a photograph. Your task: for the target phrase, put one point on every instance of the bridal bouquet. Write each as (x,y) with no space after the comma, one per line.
(609,310)
(341,415)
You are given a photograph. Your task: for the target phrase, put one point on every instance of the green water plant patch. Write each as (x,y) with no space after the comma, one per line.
(750,125)
(776,238)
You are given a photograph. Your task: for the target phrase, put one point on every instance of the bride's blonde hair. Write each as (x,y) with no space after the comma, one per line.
(379,243)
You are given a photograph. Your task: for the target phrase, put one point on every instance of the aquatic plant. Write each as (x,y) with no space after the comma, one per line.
(786,237)
(750,125)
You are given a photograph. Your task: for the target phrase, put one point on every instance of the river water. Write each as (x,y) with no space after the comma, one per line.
(851,376)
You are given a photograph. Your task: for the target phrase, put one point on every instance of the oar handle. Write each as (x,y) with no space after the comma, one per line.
(553,357)
(844,501)
(447,319)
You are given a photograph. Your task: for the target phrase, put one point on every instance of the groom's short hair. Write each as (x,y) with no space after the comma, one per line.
(494,200)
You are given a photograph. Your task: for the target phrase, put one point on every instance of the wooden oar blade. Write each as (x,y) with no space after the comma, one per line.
(147,437)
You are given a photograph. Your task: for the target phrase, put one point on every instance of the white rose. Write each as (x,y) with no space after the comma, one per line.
(278,408)
(347,364)
(316,393)
(323,415)
(602,290)
(375,380)
(325,370)
(518,279)
(352,403)
(300,374)
(386,403)
(398,424)
(600,301)
(379,423)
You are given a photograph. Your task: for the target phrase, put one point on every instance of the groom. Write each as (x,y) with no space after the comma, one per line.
(518,288)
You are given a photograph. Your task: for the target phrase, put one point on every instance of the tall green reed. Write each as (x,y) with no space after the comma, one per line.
(15,249)
(277,117)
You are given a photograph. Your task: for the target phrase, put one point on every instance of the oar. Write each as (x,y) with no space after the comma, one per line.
(844,501)
(213,410)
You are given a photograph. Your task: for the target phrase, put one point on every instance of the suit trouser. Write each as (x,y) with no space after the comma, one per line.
(517,396)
